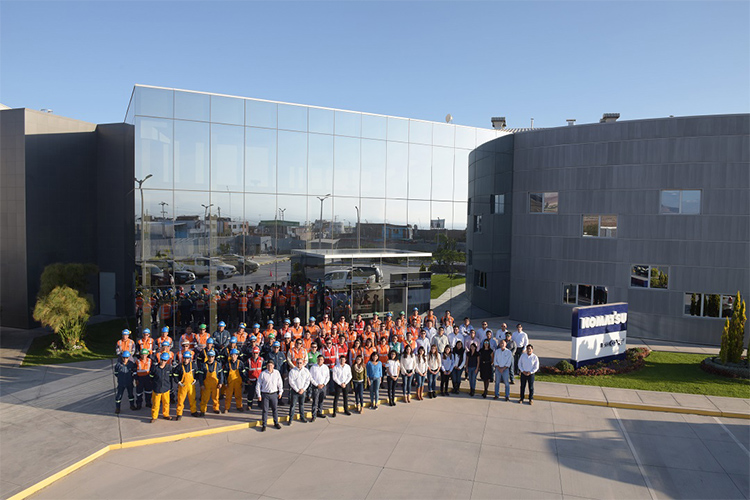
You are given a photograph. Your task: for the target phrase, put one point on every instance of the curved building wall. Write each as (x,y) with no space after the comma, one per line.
(655,213)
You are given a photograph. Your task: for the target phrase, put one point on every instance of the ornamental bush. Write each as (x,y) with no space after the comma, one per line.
(66,313)
(733,336)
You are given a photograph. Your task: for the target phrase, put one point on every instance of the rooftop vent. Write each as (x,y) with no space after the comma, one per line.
(609,117)
(571,121)
(498,122)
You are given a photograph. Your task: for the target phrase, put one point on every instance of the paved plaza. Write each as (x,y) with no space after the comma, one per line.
(454,447)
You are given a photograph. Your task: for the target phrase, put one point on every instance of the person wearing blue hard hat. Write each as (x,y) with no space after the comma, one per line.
(124,373)
(279,359)
(185,374)
(211,377)
(221,336)
(125,344)
(161,375)
(235,373)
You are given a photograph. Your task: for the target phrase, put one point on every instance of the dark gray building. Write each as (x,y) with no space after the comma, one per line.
(653,212)
(64,185)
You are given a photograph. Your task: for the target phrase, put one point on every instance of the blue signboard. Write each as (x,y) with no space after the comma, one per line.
(599,333)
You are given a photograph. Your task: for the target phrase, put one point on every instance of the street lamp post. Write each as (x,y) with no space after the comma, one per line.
(146,303)
(320,235)
(206,222)
(359,248)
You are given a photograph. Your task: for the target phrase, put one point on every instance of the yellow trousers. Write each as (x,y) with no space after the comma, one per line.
(210,390)
(158,400)
(188,391)
(234,388)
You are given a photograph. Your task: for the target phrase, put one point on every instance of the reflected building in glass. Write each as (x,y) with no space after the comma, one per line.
(233,182)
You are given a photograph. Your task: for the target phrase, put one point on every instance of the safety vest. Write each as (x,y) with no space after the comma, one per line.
(307,343)
(146,343)
(343,326)
(375,323)
(383,352)
(399,332)
(201,339)
(430,317)
(297,332)
(314,331)
(389,324)
(357,352)
(256,302)
(254,368)
(326,326)
(292,299)
(126,345)
(414,330)
(330,355)
(417,318)
(139,303)
(241,337)
(412,344)
(166,310)
(212,371)
(164,339)
(281,300)
(298,353)
(342,350)
(447,321)
(144,367)
(171,355)
(359,326)
(243,304)
(268,332)
(368,352)
(267,300)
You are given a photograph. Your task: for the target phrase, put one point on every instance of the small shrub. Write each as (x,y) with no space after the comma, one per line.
(634,360)
(564,366)
(66,313)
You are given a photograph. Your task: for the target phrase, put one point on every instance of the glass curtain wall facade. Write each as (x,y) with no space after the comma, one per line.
(235,182)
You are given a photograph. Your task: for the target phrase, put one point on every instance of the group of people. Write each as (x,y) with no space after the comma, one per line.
(319,359)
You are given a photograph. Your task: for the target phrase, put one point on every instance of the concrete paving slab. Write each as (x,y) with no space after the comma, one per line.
(351,480)
(469,406)
(540,412)
(707,429)
(361,446)
(497,465)
(694,401)
(466,428)
(733,459)
(587,392)
(617,395)
(742,482)
(428,455)
(658,398)
(294,439)
(582,417)
(486,491)
(394,484)
(596,479)
(739,428)
(655,423)
(736,405)
(676,452)
(603,445)
(670,482)
(505,433)
(551,389)
(385,418)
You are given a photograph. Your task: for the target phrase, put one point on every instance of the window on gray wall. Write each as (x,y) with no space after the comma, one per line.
(477,223)
(680,202)
(582,294)
(480,279)
(543,203)
(644,276)
(600,226)
(497,203)
(569,294)
(708,305)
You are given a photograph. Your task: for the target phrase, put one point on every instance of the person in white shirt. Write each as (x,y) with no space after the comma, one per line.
(342,375)
(268,390)
(420,371)
(466,327)
(392,372)
(408,365)
(299,381)
(440,340)
(455,336)
(446,368)
(500,334)
(473,338)
(430,329)
(320,375)
(521,340)
(423,341)
(503,364)
(483,329)
(459,364)
(529,365)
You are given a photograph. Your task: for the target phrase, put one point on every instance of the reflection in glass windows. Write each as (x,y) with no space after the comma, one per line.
(229,110)
(260,159)
(292,117)
(645,276)
(398,129)
(153,151)
(348,124)
(396,170)
(346,166)
(261,113)
(602,226)
(497,203)
(154,102)
(477,223)
(708,305)
(420,132)
(583,295)
(192,106)
(373,173)
(680,202)
(546,203)
(374,127)
(227,168)
(320,120)
(191,149)
(480,279)
(442,173)
(320,164)
(420,178)
(292,162)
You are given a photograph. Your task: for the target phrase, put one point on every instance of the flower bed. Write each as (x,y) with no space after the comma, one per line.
(634,360)
(732,370)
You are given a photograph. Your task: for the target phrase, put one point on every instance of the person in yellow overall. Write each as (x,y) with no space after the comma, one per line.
(235,373)
(184,375)
(211,376)
(161,375)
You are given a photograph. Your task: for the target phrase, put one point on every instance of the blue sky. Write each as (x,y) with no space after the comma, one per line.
(546,60)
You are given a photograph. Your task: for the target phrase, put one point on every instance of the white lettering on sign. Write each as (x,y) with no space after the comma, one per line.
(604,320)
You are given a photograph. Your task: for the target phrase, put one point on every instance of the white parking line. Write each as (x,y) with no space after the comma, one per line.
(635,455)
(732,436)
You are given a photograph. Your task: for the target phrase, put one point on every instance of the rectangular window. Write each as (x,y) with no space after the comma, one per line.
(680,202)
(644,276)
(480,279)
(583,295)
(543,203)
(477,223)
(708,305)
(497,203)
(600,226)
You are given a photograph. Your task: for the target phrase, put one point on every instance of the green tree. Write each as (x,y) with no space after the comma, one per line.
(712,305)
(733,336)
(447,254)
(66,312)
(695,306)
(73,275)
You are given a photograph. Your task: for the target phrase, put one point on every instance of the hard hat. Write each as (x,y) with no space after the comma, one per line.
(402,313)
(233,340)
(276,344)
(145,351)
(221,323)
(287,321)
(234,351)
(211,353)
(243,325)
(146,330)
(165,329)
(256,325)
(296,320)
(312,318)
(165,344)
(210,340)
(287,335)
(125,354)
(187,355)
(164,356)
(253,338)
(270,322)
(186,342)
(388,313)
(126,332)
(256,350)
(415,309)
(202,326)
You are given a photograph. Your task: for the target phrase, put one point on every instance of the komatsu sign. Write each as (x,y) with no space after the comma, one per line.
(599,333)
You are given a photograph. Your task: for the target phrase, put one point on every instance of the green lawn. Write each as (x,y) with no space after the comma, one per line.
(100,340)
(442,282)
(668,372)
